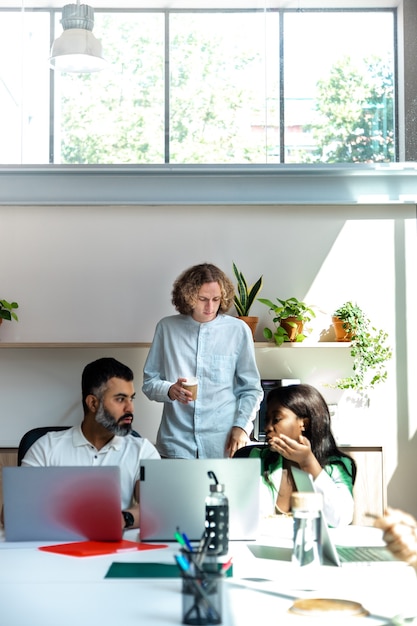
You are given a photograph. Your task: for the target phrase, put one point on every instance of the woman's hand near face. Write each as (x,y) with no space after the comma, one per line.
(297,451)
(291,449)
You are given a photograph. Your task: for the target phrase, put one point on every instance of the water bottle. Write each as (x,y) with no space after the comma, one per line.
(217,519)
(306,509)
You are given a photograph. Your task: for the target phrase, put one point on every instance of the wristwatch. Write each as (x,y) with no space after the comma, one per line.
(129,519)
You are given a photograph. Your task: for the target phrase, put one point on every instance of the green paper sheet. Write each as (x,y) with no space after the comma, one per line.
(143,570)
(147,570)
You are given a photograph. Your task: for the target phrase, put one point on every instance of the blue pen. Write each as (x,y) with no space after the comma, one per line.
(189,568)
(187,542)
(182,562)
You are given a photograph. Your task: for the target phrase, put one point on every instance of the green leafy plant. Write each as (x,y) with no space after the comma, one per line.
(7,310)
(245,296)
(291,308)
(368,349)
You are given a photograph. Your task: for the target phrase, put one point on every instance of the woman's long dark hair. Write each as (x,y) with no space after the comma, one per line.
(307,402)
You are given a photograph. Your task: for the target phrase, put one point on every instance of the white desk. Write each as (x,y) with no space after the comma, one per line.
(43,589)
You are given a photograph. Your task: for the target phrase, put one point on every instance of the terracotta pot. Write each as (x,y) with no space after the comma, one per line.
(342,334)
(252,322)
(292,331)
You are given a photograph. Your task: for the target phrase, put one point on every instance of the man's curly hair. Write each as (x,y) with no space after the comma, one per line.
(187,285)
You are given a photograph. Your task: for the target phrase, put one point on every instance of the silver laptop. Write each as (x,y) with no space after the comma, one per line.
(336,555)
(62,503)
(332,554)
(173,491)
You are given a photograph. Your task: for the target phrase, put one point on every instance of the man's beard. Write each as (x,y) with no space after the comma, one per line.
(107,420)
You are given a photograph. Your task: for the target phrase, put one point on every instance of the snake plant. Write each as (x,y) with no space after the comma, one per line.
(245,296)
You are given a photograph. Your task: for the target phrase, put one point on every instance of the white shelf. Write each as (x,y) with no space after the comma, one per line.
(129,344)
(76,344)
(303,344)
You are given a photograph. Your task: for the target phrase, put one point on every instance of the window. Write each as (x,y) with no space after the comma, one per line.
(247,86)
(338,106)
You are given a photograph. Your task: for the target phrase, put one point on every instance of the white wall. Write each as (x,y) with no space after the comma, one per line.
(87,273)
(104,274)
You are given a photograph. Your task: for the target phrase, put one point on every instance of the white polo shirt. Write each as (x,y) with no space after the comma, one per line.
(70,447)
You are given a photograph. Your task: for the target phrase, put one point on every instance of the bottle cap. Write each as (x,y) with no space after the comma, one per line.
(217,487)
(306,501)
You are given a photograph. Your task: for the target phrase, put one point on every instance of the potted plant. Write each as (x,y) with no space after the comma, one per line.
(7,310)
(245,297)
(290,317)
(368,348)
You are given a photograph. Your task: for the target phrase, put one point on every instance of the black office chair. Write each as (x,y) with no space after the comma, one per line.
(244,452)
(32,435)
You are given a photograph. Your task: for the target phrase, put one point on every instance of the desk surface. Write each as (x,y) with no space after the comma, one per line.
(46,589)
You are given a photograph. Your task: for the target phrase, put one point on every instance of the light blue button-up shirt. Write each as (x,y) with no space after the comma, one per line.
(221,355)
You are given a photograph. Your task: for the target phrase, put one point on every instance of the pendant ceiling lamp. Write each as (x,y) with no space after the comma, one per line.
(77,50)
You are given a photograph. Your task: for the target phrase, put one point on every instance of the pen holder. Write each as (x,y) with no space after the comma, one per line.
(202,599)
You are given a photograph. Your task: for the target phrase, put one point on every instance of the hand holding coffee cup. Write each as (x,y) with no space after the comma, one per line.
(191,384)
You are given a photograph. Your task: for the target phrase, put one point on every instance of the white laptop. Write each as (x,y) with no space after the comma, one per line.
(336,555)
(173,492)
(332,554)
(62,503)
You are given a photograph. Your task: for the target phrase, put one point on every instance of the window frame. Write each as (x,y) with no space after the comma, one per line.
(282,11)
(248,184)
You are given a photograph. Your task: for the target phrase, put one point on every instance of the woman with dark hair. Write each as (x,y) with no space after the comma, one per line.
(298,432)
(203,342)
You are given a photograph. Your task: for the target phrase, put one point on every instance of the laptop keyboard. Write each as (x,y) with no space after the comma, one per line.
(366,553)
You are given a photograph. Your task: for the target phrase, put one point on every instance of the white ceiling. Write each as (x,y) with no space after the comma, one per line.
(200,4)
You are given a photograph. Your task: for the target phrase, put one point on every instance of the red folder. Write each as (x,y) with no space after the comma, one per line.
(97,548)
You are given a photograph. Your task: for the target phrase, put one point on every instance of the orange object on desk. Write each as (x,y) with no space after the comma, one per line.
(97,548)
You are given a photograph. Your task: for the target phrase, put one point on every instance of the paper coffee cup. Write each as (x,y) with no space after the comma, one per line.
(191,384)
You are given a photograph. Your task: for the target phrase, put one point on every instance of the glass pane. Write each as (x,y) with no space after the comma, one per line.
(224,87)
(24,87)
(116,115)
(339,87)
(222,103)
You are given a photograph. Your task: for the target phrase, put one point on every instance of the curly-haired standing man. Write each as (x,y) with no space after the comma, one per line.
(201,341)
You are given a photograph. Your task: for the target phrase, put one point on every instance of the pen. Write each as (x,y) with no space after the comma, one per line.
(180,539)
(182,562)
(202,549)
(201,542)
(226,566)
(187,542)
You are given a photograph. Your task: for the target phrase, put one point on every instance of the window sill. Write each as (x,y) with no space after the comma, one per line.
(375,184)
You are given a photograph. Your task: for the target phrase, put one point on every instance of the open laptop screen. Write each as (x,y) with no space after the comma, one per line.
(173,493)
(62,503)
